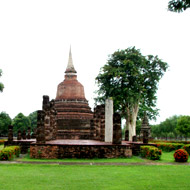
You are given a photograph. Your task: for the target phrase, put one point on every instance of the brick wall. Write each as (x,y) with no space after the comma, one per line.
(79,151)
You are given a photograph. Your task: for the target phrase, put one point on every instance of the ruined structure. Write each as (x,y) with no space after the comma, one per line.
(73,111)
(145,129)
(46,121)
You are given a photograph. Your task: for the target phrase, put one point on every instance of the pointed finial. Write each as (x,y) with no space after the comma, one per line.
(70,67)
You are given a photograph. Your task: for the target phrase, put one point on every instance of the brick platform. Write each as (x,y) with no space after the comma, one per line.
(79,149)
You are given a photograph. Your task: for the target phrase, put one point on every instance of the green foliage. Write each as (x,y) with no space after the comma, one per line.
(168,147)
(183,125)
(5,121)
(187,148)
(130,78)
(150,152)
(9,152)
(33,120)
(20,122)
(1,84)
(181,155)
(2,141)
(167,128)
(178,5)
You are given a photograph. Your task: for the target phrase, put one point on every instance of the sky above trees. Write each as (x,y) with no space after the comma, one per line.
(35,38)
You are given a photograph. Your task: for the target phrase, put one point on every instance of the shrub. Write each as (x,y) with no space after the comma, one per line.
(168,147)
(187,148)
(150,152)
(9,152)
(181,155)
(2,141)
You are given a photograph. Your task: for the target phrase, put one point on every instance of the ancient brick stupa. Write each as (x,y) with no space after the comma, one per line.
(73,111)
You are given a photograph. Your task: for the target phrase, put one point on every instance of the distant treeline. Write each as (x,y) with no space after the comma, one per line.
(175,127)
(20,122)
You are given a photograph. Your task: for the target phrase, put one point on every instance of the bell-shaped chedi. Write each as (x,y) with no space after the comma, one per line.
(73,111)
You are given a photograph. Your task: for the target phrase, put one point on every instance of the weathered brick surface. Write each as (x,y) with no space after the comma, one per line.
(79,151)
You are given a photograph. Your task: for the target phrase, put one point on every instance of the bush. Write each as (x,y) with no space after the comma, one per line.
(181,155)
(2,141)
(187,148)
(150,152)
(168,147)
(9,152)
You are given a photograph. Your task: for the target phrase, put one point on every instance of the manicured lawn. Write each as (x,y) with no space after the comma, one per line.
(54,177)
(1,147)
(125,160)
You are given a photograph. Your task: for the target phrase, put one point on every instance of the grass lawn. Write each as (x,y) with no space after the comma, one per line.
(125,160)
(1,147)
(166,157)
(54,177)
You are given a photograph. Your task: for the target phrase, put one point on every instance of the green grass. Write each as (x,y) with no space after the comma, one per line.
(54,177)
(123,160)
(1,147)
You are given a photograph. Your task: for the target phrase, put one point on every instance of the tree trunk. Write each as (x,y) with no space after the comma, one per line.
(131,119)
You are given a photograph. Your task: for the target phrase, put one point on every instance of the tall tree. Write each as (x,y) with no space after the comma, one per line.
(178,5)
(5,121)
(1,84)
(33,120)
(131,79)
(20,122)
(183,125)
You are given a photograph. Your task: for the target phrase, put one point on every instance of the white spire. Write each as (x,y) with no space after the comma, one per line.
(70,67)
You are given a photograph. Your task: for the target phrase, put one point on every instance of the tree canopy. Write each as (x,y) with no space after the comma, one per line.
(178,5)
(1,84)
(20,122)
(167,128)
(183,125)
(33,120)
(5,121)
(131,79)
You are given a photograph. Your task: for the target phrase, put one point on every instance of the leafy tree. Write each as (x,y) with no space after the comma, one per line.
(33,120)
(167,128)
(20,122)
(178,5)
(5,121)
(183,125)
(155,131)
(131,79)
(1,84)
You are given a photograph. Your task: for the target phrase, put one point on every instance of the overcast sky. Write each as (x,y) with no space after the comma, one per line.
(35,37)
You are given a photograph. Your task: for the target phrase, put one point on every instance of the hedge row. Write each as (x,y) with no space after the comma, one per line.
(187,148)
(172,141)
(9,152)
(150,152)
(168,147)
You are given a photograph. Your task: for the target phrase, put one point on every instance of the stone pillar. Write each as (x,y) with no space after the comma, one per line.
(40,134)
(126,135)
(19,137)
(10,134)
(145,129)
(117,133)
(24,134)
(28,134)
(109,121)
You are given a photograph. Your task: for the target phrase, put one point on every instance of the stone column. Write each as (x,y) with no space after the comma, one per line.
(145,129)
(10,134)
(117,133)
(40,134)
(28,134)
(109,120)
(19,135)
